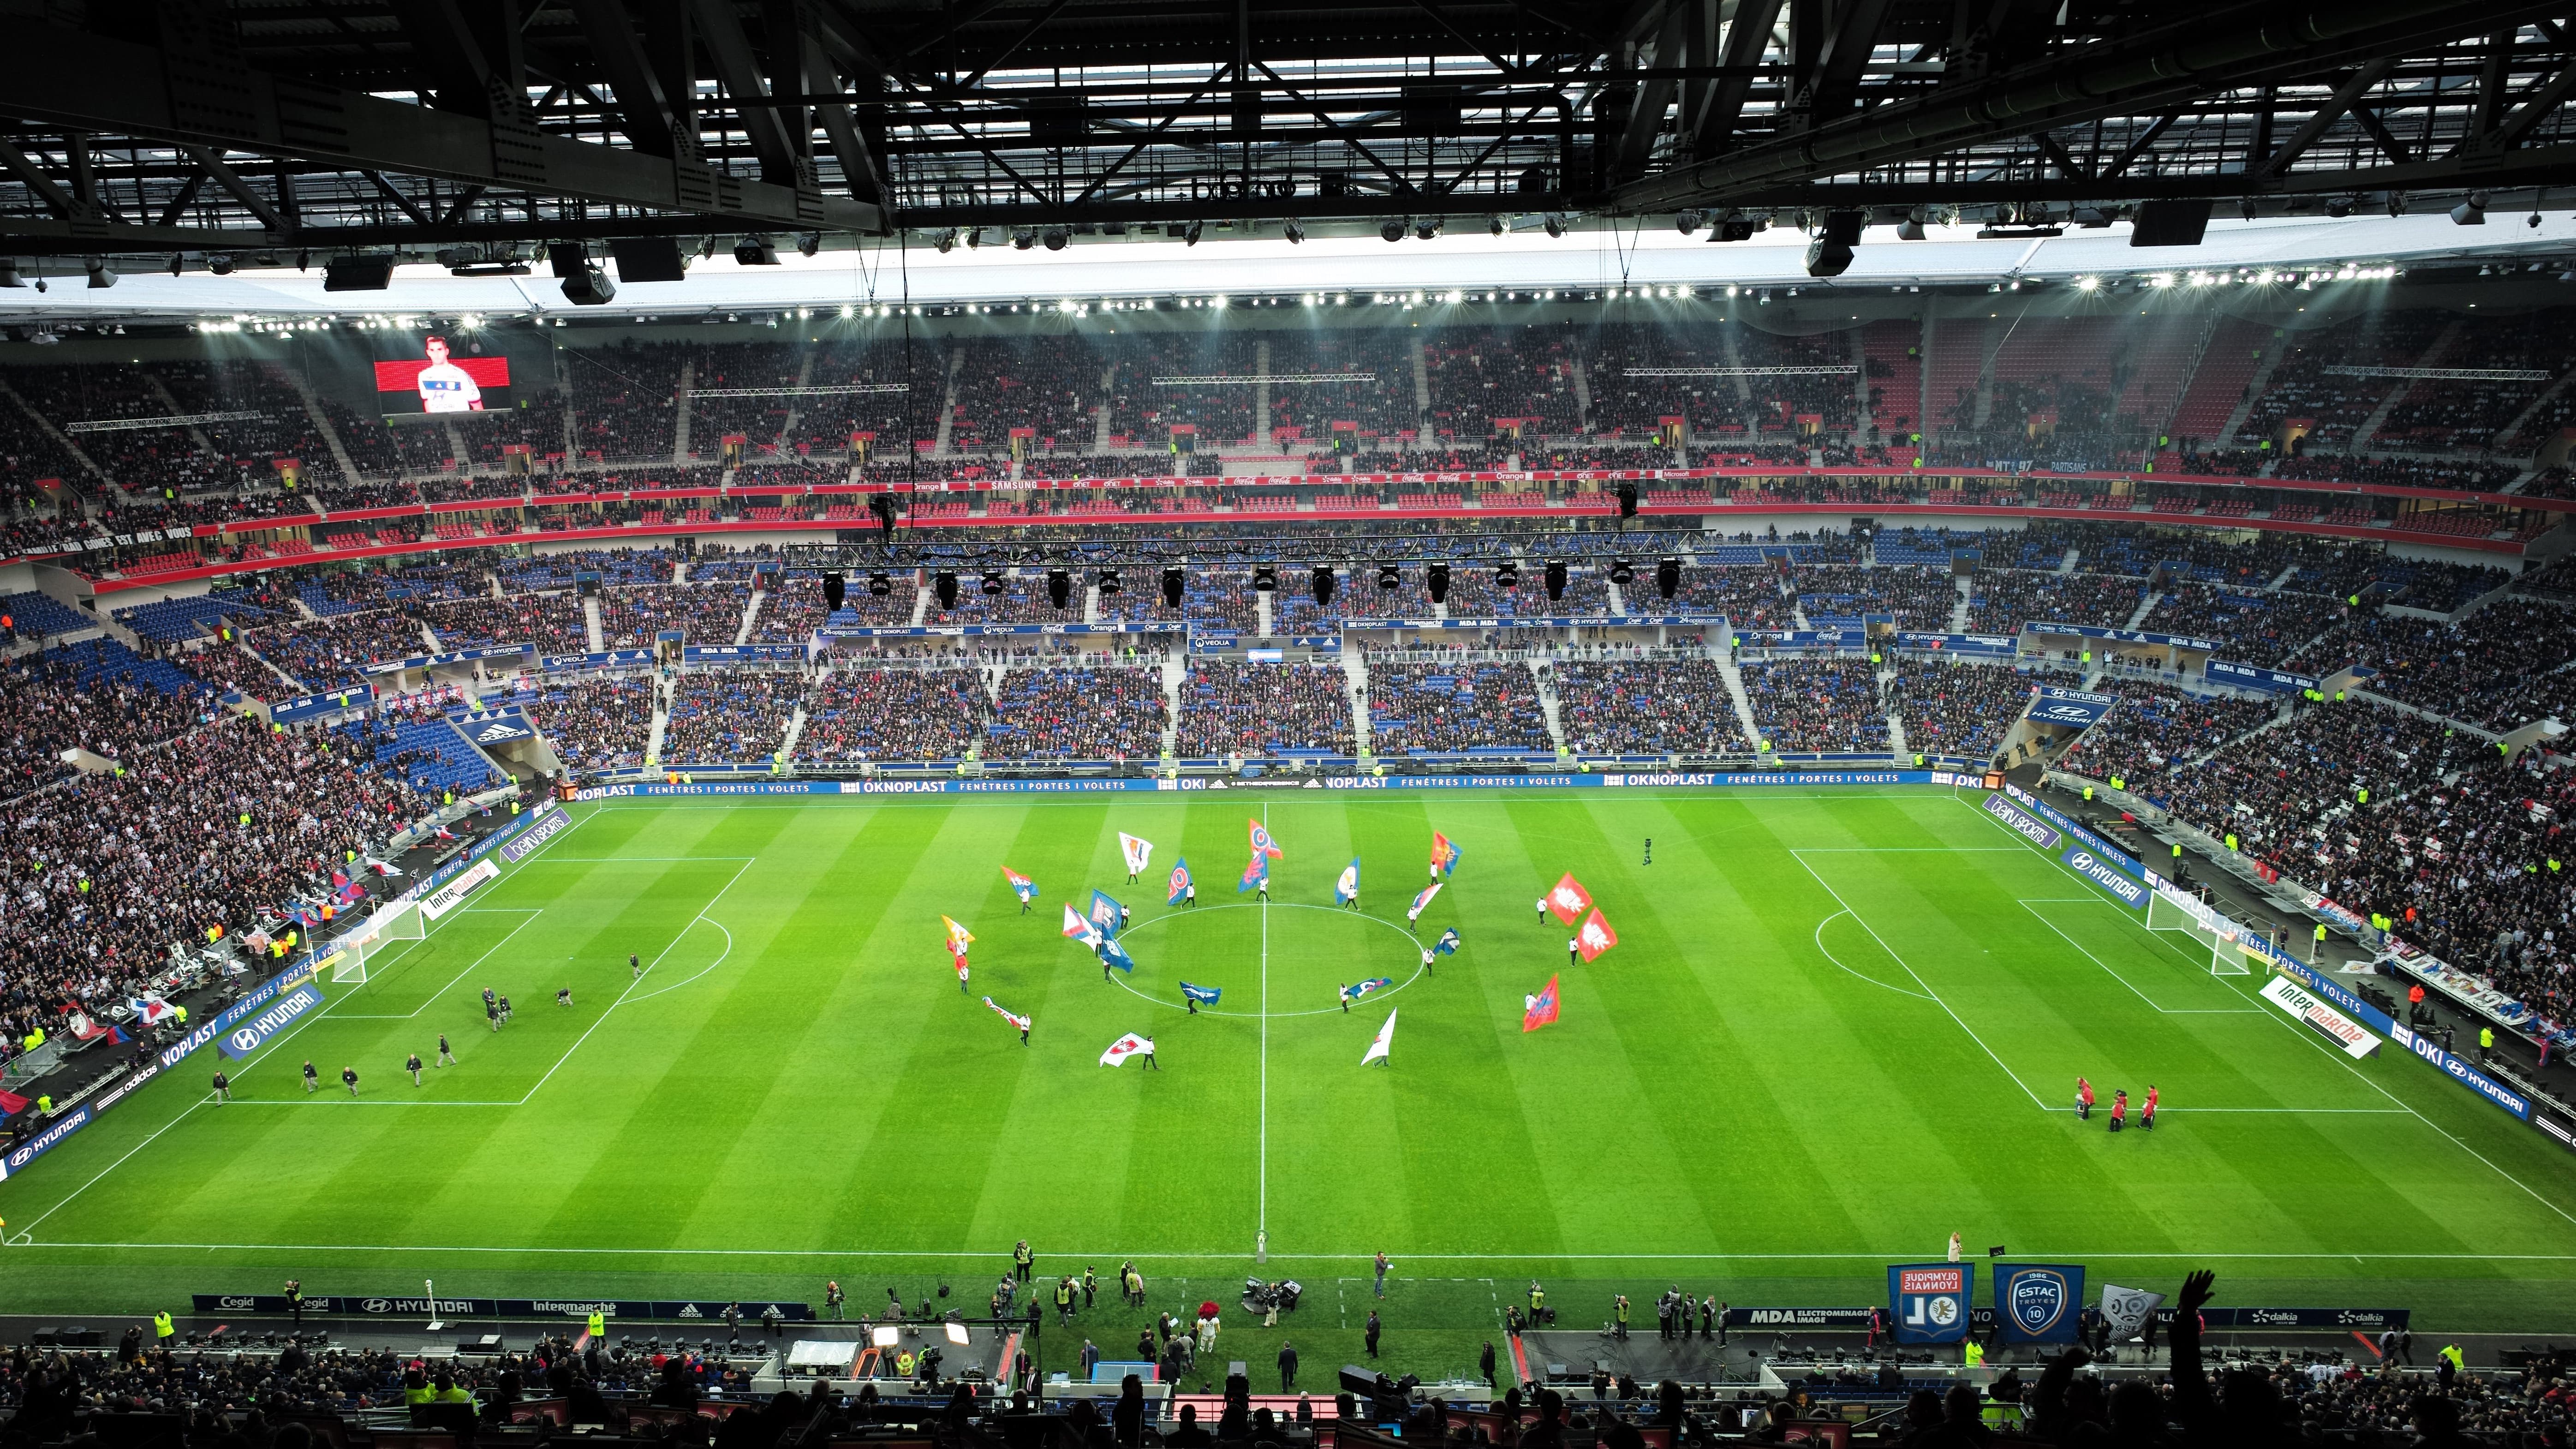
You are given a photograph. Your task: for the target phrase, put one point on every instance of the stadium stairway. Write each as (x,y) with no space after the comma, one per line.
(2254,386)
(1261,602)
(321,421)
(292,685)
(2147,600)
(1175,670)
(920,604)
(1581,379)
(1091,594)
(1547,705)
(795,731)
(661,721)
(1355,684)
(948,404)
(2287,712)
(1735,691)
(680,412)
(590,623)
(1618,598)
(750,615)
(1959,610)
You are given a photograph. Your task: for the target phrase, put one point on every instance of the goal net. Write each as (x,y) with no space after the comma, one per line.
(2224,939)
(389,929)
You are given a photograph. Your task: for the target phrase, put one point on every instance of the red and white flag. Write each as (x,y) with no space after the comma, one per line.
(1126,1046)
(1595,937)
(1567,900)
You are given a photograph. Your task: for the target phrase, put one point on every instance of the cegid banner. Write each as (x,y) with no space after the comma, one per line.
(449,896)
(2343,1031)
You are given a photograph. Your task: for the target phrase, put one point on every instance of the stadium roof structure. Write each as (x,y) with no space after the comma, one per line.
(202,132)
(884,277)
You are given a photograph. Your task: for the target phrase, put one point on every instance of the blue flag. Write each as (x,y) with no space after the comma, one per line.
(1374,983)
(1116,955)
(1021,886)
(1447,945)
(1104,913)
(1255,874)
(1203,995)
(1180,882)
(1348,887)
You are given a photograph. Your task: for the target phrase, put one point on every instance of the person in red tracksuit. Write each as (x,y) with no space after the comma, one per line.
(2119,1109)
(2083,1100)
(2147,1110)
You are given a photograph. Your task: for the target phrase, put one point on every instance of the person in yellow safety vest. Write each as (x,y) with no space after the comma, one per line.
(2321,942)
(35,1038)
(903,1364)
(2088,794)
(416,1388)
(45,1104)
(2231,840)
(448,1391)
(163,1330)
(2486,1043)
(1976,1355)
(598,1325)
(2451,1355)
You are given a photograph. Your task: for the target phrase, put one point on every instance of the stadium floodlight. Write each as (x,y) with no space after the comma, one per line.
(834,590)
(1687,221)
(1323,585)
(1621,574)
(943,586)
(100,273)
(754,251)
(992,586)
(810,243)
(221,264)
(1171,588)
(1391,229)
(1108,583)
(1054,237)
(1059,587)
(1190,237)
(945,240)
(1507,575)
(1265,579)
(1437,576)
(1555,225)
(2472,211)
(1555,579)
(1388,577)
(1023,239)
(1668,577)
(879,585)
(1294,230)
(1426,230)
(2088,284)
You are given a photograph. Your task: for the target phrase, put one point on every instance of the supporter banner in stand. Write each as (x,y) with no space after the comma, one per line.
(710,1309)
(742,653)
(2274,681)
(2355,1040)
(1976,644)
(2473,992)
(309,705)
(2126,636)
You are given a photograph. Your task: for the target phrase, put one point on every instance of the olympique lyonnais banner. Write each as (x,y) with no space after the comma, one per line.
(712,1309)
(1930,1300)
(2039,1302)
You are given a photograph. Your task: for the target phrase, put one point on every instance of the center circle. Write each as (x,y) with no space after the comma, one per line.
(1309,951)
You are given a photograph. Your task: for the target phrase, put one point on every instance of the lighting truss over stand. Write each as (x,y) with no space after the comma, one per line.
(944,549)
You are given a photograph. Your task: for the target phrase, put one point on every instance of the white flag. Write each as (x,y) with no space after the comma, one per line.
(2127,1309)
(1385,1039)
(1138,851)
(1126,1046)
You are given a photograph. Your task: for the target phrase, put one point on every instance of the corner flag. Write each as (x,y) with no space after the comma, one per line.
(1137,850)
(1021,886)
(1377,1051)
(1348,887)
(1180,882)
(1540,1010)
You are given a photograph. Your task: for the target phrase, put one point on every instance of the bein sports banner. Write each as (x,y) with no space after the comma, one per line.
(1930,1300)
(2039,1302)
(2021,822)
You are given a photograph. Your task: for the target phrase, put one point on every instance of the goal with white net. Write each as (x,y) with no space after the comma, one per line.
(389,929)
(2227,941)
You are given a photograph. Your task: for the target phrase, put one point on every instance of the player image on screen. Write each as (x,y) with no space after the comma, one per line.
(444,386)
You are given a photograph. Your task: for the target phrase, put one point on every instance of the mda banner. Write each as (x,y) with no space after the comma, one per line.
(1931,1300)
(2039,1302)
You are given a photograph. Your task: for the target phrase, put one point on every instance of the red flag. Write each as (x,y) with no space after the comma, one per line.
(1568,900)
(1595,937)
(1262,844)
(1540,1010)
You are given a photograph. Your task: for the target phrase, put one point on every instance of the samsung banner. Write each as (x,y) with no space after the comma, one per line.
(1930,1300)
(2039,1302)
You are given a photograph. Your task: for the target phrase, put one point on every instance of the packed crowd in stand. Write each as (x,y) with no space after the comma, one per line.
(1955,709)
(1437,708)
(1806,705)
(1081,713)
(595,724)
(730,714)
(703,614)
(1251,710)
(1661,707)
(858,716)
(2156,727)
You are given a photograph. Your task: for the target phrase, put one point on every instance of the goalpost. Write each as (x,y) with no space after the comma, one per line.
(2224,937)
(388,929)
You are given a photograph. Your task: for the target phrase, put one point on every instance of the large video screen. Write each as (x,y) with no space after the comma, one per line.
(439,381)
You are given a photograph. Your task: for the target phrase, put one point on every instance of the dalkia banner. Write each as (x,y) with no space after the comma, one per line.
(2355,1039)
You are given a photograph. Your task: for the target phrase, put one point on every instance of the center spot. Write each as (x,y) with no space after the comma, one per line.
(1310,953)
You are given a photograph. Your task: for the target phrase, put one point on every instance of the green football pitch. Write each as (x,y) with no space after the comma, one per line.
(1837,1027)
